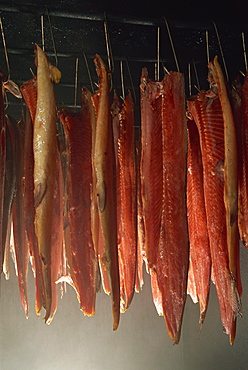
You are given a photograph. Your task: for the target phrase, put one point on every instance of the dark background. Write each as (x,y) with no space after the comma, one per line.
(77,28)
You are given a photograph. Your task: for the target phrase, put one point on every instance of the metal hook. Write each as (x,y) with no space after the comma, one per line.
(131,80)
(108,45)
(244,50)
(190,82)
(171,42)
(165,69)
(89,74)
(52,37)
(32,72)
(196,76)
(207,46)
(221,51)
(122,80)
(6,102)
(157,74)
(76,85)
(5,48)
(42,32)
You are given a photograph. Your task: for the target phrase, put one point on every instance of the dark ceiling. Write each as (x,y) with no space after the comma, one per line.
(78,32)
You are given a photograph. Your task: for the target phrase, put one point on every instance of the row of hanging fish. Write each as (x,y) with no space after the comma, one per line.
(87,201)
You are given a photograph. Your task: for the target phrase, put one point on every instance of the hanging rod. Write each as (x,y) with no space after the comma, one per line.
(185,24)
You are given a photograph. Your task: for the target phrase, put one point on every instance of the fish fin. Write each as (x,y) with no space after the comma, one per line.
(55,73)
(39,193)
(12,87)
(101,196)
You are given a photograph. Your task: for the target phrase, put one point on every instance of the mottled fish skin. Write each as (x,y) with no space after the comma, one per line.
(46,178)
(20,240)
(207,113)
(151,163)
(78,130)
(127,228)
(199,275)
(105,167)
(29,92)
(96,227)
(173,251)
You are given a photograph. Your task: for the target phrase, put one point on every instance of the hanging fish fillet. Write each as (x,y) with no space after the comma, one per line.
(126,180)
(230,167)
(20,241)
(29,92)
(6,188)
(47,181)
(104,164)
(139,222)
(115,111)
(240,106)
(151,164)
(9,188)
(96,227)
(173,250)
(78,131)
(2,165)
(207,113)
(115,119)
(200,261)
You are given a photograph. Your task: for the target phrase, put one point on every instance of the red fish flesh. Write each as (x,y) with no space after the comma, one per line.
(199,275)
(78,131)
(173,249)
(20,240)
(240,103)
(126,179)
(207,113)
(163,181)
(151,164)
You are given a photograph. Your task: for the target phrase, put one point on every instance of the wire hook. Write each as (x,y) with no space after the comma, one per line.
(52,37)
(122,80)
(89,74)
(76,85)
(221,50)
(131,80)
(5,48)
(157,75)
(207,46)
(172,45)
(244,50)
(42,32)
(196,76)
(108,45)
(190,82)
